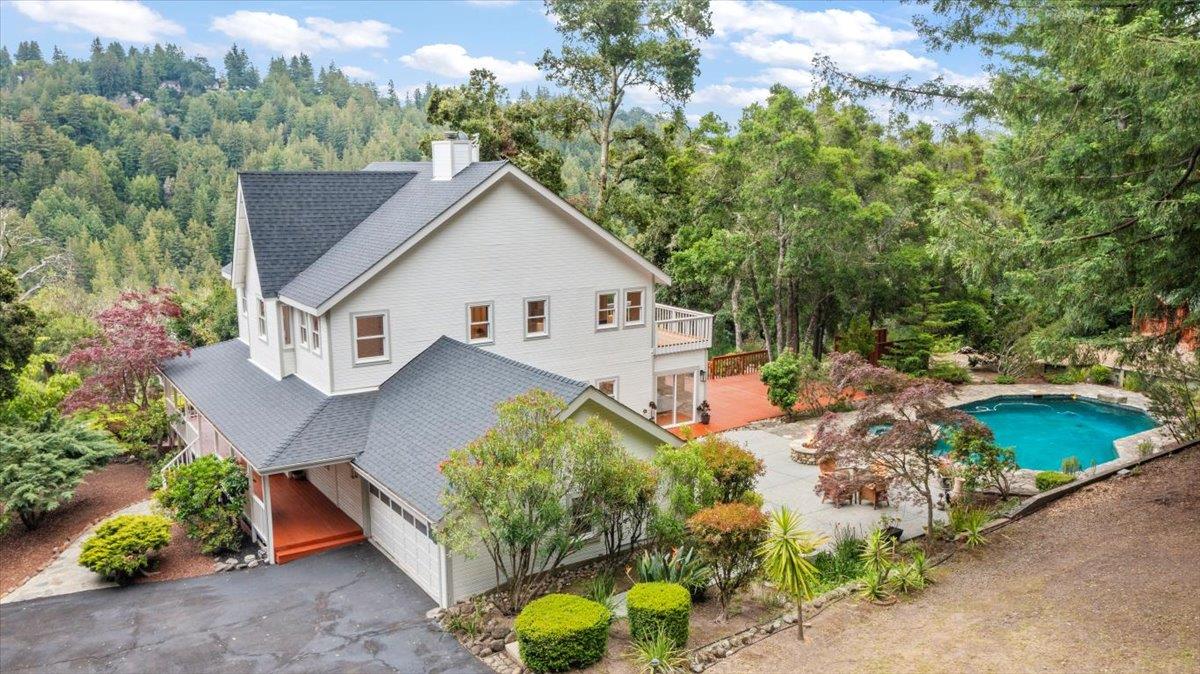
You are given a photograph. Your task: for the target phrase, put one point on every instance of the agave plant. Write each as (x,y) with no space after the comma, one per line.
(658,654)
(600,590)
(680,566)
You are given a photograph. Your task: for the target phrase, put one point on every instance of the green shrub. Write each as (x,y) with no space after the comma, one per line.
(121,546)
(782,377)
(659,606)
(727,536)
(600,589)
(1005,379)
(207,497)
(1068,376)
(951,373)
(1133,381)
(562,631)
(1049,479)
(1069,465)
(1099,374)
(734,468)
(680,566)
(841,562)
(910,355)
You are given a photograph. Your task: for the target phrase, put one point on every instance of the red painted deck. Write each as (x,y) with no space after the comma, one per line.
(735,401)
(305,522)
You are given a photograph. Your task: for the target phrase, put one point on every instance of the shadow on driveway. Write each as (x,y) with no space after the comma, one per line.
(348,609)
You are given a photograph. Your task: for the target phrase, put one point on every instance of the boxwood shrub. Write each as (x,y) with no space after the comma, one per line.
(121,546)
(659,606)
(1049,479)
(562,631)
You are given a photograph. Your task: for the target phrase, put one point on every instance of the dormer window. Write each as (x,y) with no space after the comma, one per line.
(285,324)
(315,338)
(370,337)
(479,323)
(262,319)
(303,329)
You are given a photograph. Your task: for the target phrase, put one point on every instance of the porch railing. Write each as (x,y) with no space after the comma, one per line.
(733,364)
(678,329)
(257,514)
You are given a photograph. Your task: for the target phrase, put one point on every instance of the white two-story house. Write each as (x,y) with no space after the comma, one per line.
(382,315)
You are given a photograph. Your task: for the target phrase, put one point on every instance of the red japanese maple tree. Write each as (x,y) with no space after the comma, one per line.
(119,364)
(897,426)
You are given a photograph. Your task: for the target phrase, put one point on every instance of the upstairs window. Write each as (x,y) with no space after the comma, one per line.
(479,323)
(303,329)
(370,338)
(537,317)
(634,305)
(606,310)
(607,386)
(243,302)
(285,324)
(314,339)
(262,319)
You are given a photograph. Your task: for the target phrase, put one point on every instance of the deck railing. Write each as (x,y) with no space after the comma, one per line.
(678,329)
(257,514)
(732,364)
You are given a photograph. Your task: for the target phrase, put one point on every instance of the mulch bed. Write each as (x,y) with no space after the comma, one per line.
(181,559)
(109,489)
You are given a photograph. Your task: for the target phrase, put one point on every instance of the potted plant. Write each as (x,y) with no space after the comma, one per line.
(705,412)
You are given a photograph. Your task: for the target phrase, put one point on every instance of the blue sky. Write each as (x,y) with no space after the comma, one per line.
(756,43)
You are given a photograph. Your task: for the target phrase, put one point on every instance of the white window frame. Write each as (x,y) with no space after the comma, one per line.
(545,318)
(314,339)
(616,382)
(625,308)
(354,336)
(243,301)
(286,325)
(262,319)
(616,310)
(491,323)
(303,337)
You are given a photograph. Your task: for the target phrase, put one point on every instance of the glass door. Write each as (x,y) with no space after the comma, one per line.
(675,398)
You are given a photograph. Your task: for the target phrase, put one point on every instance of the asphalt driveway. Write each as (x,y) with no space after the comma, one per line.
(346,610)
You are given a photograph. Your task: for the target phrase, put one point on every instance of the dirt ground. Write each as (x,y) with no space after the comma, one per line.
(181,559)
(111,488)
(1106,580)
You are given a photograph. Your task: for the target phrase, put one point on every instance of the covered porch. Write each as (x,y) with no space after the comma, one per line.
(300,519)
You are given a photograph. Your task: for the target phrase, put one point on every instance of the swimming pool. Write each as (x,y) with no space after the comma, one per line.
(1044,430)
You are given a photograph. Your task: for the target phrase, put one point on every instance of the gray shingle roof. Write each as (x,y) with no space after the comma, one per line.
(275,423)
(387,228)
(295,217)
(440,400)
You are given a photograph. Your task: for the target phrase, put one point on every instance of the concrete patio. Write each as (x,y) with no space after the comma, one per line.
(789,483)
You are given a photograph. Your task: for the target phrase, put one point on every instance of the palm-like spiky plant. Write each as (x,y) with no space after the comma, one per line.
(785,555)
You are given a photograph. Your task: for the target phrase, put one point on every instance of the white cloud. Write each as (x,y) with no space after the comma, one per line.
(779,35)
(125,20)
(284,34)
(794,78)
(452,60)
(356,73)
(728,94)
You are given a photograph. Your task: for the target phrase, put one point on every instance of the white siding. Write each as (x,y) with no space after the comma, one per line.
(265,354)
(313,367)
(507,246)
(689,361)
(341,486)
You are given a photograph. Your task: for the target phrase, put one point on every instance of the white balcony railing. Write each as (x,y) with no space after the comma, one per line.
(256,512)
(678,329)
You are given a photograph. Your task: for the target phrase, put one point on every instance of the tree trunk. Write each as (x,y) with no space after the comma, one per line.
(735,309)
(799,620)
(762,319)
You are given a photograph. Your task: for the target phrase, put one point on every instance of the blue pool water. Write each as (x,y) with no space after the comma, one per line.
(1043,430)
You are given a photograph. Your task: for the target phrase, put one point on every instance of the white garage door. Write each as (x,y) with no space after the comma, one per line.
(406,538)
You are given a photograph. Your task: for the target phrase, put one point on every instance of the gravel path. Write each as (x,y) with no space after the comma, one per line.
(1102,581)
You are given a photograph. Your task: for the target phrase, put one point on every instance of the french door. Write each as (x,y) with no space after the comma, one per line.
(675,398)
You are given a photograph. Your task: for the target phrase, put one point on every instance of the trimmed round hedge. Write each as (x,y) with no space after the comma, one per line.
(1050,479)
(121,546)
(562,631)
(659,606)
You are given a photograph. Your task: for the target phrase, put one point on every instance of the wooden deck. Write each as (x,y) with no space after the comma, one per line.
(735,402)
(305,522)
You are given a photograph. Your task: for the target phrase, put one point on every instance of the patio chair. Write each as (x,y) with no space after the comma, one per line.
(875,493)
(832,488)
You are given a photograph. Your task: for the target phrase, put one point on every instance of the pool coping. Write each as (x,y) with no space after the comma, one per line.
(1127,447)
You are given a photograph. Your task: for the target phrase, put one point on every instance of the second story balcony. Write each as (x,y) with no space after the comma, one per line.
(678,329)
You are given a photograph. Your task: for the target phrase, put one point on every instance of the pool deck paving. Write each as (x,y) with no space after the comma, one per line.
(787,482)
